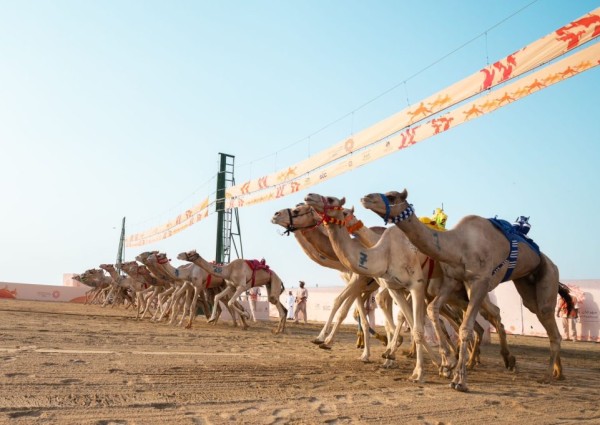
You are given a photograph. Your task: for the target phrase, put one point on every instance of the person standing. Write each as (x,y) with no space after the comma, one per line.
(254,293)
(291,301)
(569,318)
(301,298)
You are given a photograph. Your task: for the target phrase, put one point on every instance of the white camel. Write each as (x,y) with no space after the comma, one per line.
(305,224)
(393,259)
(240,276)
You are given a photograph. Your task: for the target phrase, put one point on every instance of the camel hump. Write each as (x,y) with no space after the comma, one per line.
(258,265)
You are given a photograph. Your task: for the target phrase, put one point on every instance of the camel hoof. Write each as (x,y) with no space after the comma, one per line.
(324,346)
(317,341)
(512,363)
(459,387)
(364,360)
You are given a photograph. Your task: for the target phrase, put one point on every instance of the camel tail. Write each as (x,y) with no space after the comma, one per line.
(565,294)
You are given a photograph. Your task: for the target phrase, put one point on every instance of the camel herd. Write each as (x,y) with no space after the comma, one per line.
(423,269)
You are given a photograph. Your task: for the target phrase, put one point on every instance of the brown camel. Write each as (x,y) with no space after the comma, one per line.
(240,276)
(201,282)
(477,254)
(305,224)
(147,282)
(121,285)
(445,300)
(155,285)
(392,259)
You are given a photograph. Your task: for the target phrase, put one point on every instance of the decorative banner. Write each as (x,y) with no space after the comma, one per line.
(529,57)
(396,133)
(545,77)
(181,222)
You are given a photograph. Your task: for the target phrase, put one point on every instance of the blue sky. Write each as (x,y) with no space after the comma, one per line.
(111,109)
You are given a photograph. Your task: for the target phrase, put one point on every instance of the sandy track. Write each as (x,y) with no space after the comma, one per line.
(75,364)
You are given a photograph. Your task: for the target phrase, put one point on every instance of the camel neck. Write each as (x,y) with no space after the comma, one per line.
(430,242)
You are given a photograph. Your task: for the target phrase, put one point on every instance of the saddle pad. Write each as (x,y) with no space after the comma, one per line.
(512,234)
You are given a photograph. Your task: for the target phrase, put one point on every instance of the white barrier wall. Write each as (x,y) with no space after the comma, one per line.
(519,320)
(25,291)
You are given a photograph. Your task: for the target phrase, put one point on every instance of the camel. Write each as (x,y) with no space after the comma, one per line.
(305,223)
(392,259)
(240,276)
(480,256)
(201,282)
(171,285)
(147,284)
(120,286)
(96,278)
(94,285)
(183,294)
(441,300)
(155,285)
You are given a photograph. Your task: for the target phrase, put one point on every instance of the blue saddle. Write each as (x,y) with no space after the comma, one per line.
(514,236)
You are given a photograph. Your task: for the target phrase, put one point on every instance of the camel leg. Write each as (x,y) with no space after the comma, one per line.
(274,291)
(185,303)
(150,299)
(163,303)
(540,299)
(110,293)
(447,354)
(224,293)
(352,290)
(385,303)
(236,306)
(192,311)
(233,314)
(405,311)
(343,313)
(491,313)
(174,303)
(474,347)
(476,295)
(364,324)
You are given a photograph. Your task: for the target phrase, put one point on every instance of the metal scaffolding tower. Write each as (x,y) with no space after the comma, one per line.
(121,248)
(228,220)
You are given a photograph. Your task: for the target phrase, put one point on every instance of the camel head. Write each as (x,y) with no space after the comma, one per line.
(387,205)
(130,267)
(188,255)
(161,258)
(322,204)
(144,255)
(328,207)
(301,217)
(107,267)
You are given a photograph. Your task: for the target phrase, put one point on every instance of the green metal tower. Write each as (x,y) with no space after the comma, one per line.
(121,247)
(226,234)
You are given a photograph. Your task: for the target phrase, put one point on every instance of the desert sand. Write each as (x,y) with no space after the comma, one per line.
(66,363)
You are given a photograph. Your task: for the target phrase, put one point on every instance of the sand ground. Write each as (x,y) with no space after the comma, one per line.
(76,364)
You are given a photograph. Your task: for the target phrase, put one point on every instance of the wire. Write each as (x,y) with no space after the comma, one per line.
(394,87)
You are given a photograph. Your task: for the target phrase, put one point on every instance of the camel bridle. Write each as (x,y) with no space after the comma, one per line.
(291,228)
(407,212)
(326,218)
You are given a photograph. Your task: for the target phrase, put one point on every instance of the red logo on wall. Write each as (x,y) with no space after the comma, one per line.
(55,294)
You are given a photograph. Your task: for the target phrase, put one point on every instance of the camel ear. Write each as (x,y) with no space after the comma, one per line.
(404,195)
(342,201)
(352,209)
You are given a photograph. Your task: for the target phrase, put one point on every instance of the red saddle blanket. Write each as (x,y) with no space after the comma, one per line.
(257,265)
